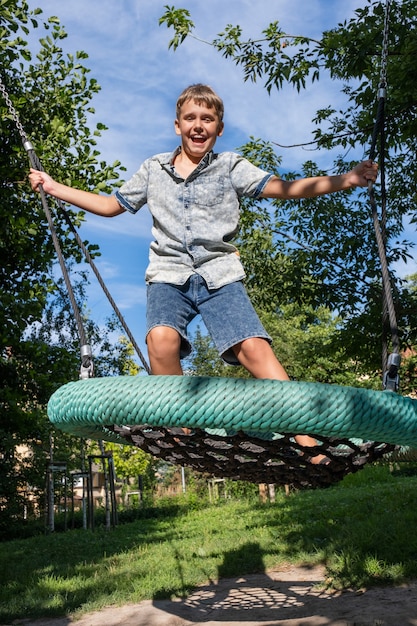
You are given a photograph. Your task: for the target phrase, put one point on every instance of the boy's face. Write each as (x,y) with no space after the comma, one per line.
(199,127)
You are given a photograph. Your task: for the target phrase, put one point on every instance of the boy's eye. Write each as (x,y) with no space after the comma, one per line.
(190,118)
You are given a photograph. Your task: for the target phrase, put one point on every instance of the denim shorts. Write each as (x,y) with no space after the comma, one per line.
(227,313)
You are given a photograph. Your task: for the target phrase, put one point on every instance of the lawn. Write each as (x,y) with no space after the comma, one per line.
(362,530)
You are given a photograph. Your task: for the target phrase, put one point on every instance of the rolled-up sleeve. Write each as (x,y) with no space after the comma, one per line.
(247,179)
(133,194)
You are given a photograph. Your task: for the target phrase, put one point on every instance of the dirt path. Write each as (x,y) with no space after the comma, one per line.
(284,597)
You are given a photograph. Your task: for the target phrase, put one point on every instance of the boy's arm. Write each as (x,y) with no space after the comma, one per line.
(320,185)
(107,206)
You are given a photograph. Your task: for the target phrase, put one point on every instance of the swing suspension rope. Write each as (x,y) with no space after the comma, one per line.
(244,429)
(392,362)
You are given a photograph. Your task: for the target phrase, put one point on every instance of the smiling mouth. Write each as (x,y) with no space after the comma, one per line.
(198,139)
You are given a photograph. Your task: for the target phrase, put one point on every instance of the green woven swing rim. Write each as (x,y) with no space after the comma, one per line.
(88,407)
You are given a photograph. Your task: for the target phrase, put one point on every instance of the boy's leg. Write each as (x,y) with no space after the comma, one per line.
(164,345)
(169,311)
(257,356)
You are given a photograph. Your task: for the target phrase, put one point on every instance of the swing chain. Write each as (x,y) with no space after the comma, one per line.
(15,117)
(384,56)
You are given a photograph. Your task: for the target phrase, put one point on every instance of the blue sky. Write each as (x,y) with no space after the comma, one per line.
(141,79)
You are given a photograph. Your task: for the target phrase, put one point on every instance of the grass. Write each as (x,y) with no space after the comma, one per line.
(362,530)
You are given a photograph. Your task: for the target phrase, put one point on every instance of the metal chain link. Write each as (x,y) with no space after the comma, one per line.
(13,112)
(384,55)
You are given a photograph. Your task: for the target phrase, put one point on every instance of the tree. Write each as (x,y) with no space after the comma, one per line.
(49,97)
(205,360)
(130,463)
(322,252)
(52,99)
(308,343)
(30,373)
(28,376)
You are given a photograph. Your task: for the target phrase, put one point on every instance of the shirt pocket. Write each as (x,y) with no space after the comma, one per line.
(208,190)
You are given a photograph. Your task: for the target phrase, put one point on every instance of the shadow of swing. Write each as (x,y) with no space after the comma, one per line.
(291,596)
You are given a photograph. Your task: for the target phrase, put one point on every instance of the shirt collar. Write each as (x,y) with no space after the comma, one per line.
(206,160)
(169,166)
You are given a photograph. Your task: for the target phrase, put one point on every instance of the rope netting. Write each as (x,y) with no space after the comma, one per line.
(241,429)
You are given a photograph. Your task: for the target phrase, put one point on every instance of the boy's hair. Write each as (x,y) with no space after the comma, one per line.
(202,94)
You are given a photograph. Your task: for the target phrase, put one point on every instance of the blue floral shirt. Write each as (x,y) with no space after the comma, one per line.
(194,219)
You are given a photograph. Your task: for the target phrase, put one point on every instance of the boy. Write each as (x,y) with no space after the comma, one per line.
(193,195)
